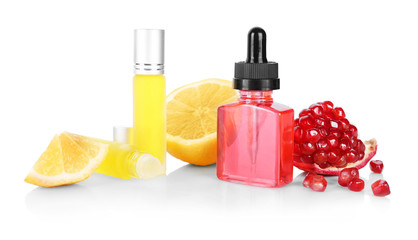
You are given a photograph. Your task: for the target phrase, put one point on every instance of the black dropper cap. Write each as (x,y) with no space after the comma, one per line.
(256,73)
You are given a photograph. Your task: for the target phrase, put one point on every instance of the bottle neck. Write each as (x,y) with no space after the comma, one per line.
(256,97)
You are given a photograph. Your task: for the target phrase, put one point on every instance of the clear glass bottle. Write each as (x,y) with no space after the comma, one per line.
(255,134)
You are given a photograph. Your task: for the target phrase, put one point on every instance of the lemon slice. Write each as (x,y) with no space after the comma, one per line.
(192,119)
(68,159)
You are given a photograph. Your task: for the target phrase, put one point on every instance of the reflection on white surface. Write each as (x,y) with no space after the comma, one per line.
(192,187)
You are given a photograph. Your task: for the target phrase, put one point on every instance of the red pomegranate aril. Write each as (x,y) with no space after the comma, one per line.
(341,162)
(353,142)
(329,115)
(320,158)
(333,141)
(318,183)
(307,182)
(305,112)
(322,145)
(347,135)
(344,145)
(335,132)
(321,122)
(346,175)
(297,122)
(356,185)
(361,147)
(323,131)
(296,158)
(344,124)
(307,148)
(353,130)
(334,124)
(306,122)
(312,135)
(298,134)
(376,166)
(306,159)
(296,149)
(339,113)
(360,155)
(327,106)
(351,156)
(333,156)
(380,188)
(316,110)
(324,165)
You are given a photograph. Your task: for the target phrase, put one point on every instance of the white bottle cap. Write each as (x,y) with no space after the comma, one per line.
(149,51)
(123,135)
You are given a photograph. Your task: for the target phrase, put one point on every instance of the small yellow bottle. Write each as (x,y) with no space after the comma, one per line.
(149,117)
(125,161)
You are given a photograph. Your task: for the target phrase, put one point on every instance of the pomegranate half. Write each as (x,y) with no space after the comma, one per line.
(326,142)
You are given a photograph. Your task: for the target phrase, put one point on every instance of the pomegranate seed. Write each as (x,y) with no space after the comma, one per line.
(316,109)
(324,165)
(318,183)
(360,156)
(334,124)
(323,131)
(296,149)
(341,162)
(344,124)
(327,106)
(380,188)
(339,113)
(321,122)
(356,185)
(297,122)
(307,182)
(333,156)
(298,134)
(353,130)
(346,135)
(307,159)
(335,132)
(351,156)
(296,158)
(312,135)
(320,158)
(361,147)
(346,175)
(306,122)
(305,112)
(307,148)
(322,145)
(344,145)
(376,166)
(333,141)
(329,115)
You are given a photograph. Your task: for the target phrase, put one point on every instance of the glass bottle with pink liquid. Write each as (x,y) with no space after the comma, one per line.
(255,134)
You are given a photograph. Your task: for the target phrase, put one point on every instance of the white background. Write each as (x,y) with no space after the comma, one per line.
(67,65)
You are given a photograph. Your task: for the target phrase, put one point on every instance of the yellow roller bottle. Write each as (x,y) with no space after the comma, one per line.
(149,123)
(126,162)
(122,160)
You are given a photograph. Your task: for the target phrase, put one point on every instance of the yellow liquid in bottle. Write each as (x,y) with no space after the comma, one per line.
(126,162)
(149,127)
(117,160)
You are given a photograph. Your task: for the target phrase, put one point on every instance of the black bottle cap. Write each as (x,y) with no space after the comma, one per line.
(256,73)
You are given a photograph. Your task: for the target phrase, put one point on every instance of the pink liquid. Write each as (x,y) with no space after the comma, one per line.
(255,141)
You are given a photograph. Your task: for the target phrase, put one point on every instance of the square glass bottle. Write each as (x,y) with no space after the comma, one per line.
(255,135)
